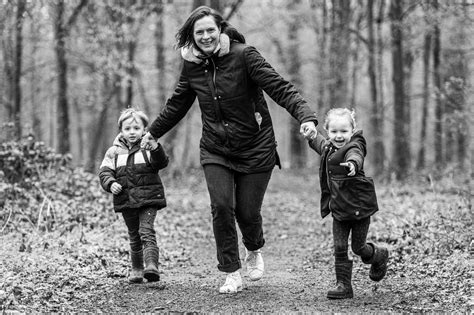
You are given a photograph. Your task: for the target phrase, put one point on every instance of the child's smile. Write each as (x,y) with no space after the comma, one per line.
(340,131)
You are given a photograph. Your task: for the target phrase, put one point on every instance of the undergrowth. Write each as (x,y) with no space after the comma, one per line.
(46,203)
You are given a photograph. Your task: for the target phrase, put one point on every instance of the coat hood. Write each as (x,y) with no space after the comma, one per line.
(192,54)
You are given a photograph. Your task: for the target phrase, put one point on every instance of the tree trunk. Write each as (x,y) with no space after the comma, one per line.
(355,55)
(339,58)
(18,62)
(35,105)
(321,61)
(97,132)
(380,82)
(378,156)
(160,56)
(401,152)
(297,144)
(407,80)
(426,100)
(61,31)
(130,70)
(62,84)
(439,157)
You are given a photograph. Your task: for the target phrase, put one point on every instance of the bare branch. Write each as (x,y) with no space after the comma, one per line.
(230,10)
(74,15)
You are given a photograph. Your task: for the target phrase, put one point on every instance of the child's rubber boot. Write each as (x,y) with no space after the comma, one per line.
(136,274)
(151,255)
(343,289)
(378,261)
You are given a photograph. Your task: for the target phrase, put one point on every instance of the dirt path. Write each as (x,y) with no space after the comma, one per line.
(84,269)
(297,256)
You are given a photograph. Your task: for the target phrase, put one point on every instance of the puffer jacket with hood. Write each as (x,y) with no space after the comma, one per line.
(137,171)
(237,129)
(346,197)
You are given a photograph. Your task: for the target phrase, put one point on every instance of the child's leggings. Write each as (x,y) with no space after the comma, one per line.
(341,230)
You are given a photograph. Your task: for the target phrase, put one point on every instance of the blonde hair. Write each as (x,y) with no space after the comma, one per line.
(132,112)
(340,112)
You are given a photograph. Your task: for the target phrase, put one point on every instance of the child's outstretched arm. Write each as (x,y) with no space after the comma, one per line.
(354,160)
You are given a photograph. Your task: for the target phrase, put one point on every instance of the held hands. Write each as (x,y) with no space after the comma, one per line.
(351,167)
(148,142)
(116,188)
(308,130)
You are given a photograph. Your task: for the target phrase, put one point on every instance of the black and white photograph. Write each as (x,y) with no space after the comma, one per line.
(236,156)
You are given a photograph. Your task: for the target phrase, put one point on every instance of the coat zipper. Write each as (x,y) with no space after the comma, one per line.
(327,179)
(224,123)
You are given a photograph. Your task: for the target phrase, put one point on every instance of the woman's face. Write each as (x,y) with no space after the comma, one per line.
(206,34)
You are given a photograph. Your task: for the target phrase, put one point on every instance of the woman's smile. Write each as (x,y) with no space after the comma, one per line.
(206,35)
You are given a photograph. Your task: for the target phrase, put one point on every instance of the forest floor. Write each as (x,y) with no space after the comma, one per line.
(81,265)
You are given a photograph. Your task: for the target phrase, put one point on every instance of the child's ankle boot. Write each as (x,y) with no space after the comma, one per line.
(136,274)
(343,289)
(151,255)
(378,261)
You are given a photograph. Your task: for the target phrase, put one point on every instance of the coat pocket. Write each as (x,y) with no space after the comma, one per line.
(353,198)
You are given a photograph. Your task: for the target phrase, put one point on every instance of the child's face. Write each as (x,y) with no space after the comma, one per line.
(132,129)
(340,130)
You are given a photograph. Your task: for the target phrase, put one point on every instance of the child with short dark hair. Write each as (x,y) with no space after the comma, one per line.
(131,175)
(349,196)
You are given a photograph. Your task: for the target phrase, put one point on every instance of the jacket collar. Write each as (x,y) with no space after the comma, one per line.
(192,54)
(120,141)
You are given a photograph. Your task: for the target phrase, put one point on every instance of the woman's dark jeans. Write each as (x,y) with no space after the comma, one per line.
(235,196)
(140,224)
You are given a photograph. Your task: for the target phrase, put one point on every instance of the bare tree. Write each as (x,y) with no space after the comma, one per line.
(376,118)
(338,57)
(439,157)
(297,145)
(12,42)
(401,152)
(426,92)
(61,29)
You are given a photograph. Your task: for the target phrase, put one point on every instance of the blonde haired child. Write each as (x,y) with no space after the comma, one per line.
(349,196)
(131,175)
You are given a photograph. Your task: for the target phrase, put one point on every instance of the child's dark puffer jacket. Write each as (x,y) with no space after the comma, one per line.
(346,197)
(137,171)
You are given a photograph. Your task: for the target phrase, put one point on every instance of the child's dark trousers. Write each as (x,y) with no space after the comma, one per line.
(341,230)
(140,224)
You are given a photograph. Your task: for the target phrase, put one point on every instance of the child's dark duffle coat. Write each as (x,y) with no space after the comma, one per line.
(346,197)
(137,171)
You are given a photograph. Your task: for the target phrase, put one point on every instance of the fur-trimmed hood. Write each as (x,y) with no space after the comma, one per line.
(192,54)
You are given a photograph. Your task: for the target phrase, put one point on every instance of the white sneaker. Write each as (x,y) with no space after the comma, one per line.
(255,266)
(233,283)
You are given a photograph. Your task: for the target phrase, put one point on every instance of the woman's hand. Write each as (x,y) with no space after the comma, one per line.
(148,142)
(351,167)
(308,130)
(116,188)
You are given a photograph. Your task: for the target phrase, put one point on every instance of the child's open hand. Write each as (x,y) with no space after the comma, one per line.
(116,188)
(351,167)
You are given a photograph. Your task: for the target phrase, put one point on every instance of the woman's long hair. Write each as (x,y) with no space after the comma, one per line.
(185,38)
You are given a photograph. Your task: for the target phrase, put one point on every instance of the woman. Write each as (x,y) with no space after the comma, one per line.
(238,147)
